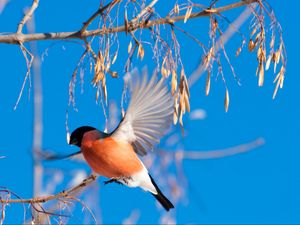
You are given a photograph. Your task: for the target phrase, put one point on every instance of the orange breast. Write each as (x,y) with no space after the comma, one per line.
(110,158)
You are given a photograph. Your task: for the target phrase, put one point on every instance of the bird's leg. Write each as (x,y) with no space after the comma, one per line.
(112,180)
(118,180)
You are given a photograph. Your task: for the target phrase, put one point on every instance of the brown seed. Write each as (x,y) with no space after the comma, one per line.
(141,52)
(251,45)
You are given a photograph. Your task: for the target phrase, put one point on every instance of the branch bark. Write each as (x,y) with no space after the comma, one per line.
(27,16)
(62,194)
(17,38)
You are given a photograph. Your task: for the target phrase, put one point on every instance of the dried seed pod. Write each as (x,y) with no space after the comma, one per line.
(180,119)
(163,71)
(176,8)
(175,117)
(207,58)
(251,45)
(272,42)
(261,75)
(186,102)
(279,78)
(182,104)
(97,95)
(114,58)
(186,85)
(277,56)
(276,59)
(238,51)
(141,52)
(113,74)
(207,85)
(129,47)
(187,14)
(104,93)
(98,77)
(253,31)
(226,100)
(268,62)
(174,82)
(181,82)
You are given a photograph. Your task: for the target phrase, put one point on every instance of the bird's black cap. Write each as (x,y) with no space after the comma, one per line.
(77,135)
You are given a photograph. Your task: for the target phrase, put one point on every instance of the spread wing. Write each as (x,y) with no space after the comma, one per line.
(148,116)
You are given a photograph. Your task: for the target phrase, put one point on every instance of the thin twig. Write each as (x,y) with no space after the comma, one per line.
(27,16)
(98,12)
(29,62)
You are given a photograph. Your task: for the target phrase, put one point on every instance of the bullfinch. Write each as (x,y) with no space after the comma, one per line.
(115,155)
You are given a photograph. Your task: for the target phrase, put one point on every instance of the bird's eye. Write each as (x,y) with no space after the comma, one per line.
(73,141)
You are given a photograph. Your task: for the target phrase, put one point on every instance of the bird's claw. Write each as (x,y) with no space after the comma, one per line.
(112,180)
(118,180)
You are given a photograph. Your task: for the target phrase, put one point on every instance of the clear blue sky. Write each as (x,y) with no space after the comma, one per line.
(261,186)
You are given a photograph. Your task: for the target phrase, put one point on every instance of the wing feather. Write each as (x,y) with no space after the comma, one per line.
(148,116)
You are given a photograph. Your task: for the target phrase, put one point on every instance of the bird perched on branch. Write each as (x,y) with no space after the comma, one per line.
(115,155)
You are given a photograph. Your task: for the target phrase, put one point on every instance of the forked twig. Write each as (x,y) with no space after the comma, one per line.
(27,16)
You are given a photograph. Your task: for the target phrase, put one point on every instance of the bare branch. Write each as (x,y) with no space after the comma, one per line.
(27,16)
(208,154)
(16,38)
(62,194)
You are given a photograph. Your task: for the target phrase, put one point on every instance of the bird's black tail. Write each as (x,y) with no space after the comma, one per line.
(160,197)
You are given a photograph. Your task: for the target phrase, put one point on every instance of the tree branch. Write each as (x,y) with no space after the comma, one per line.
(62,194)
(214,154)
(16,38)
(98,12)
(27,16)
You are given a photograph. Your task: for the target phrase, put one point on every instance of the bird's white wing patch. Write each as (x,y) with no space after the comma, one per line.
(148,116)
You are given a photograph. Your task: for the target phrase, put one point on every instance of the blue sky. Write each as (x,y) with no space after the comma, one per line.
(261,186)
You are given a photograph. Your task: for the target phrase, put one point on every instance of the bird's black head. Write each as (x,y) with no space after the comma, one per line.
(77,135)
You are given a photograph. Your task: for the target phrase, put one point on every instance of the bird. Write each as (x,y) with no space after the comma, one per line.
(115,155)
